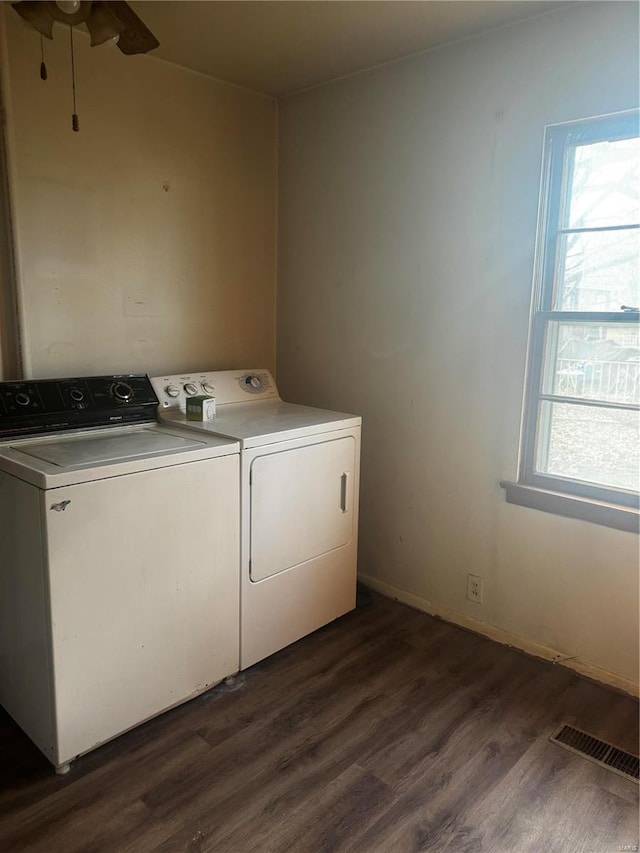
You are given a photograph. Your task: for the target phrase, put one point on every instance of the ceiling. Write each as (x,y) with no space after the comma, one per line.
(281,46)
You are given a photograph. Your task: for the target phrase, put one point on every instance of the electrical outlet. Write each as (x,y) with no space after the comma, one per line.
(474,588)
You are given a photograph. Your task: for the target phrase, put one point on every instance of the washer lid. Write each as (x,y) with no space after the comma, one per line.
(79,452)
(80,457)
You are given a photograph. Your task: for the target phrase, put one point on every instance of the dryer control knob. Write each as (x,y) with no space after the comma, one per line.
(208,387)
(77,395)
(254,381)
(191,389)
(172,391)
(22,399)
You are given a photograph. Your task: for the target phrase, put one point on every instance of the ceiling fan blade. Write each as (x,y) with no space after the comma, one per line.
(136,37)
(37,15)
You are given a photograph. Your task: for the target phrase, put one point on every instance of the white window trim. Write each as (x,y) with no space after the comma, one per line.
(561,495)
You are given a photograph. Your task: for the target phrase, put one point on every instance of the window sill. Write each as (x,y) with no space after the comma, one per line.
(609,515)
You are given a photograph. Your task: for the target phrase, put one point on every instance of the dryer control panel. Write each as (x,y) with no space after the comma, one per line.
(227,386)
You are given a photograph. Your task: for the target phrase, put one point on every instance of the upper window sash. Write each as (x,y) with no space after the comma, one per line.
(561,143)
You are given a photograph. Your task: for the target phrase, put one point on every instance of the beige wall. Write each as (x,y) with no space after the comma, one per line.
(147,240)
(408,201)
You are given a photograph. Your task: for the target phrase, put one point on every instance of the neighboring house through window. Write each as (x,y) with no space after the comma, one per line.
(580,439)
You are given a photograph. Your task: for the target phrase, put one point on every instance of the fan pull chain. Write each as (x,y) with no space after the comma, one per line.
(75,124)
(43,67)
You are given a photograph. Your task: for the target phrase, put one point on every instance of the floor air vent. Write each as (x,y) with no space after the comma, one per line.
(598,751)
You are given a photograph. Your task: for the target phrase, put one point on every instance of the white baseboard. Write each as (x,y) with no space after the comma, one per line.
(389,591)
(499,635)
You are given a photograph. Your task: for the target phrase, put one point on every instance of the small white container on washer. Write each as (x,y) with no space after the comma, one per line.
(201,408)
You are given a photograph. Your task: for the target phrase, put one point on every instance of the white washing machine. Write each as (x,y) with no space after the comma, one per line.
(119,587)
(299,486)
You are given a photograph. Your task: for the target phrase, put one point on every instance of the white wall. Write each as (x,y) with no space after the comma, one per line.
(147,240)
(408,201)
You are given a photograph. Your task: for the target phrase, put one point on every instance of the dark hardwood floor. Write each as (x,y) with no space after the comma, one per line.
(385,731)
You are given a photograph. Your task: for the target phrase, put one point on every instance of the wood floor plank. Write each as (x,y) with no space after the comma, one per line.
(387,731)
(293,763)
(334,814)
(332,740)
(75,816)
(444,769)
(562,793)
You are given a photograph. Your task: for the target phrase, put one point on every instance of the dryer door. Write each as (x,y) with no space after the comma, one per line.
(301,505)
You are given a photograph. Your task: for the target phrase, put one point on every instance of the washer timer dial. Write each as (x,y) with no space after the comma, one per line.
(122,391)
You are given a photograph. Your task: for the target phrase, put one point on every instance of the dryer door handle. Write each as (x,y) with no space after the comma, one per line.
(345,491)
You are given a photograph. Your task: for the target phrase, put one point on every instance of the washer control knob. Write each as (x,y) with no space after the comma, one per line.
(208,387)
(172,391)
(191,389)
(22,399)
(122,391)
(77,395)
(254,382)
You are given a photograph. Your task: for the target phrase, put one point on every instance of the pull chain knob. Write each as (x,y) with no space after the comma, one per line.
(43,66)
(75,124)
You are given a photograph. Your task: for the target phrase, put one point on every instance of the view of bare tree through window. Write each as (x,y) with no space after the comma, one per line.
(599,270)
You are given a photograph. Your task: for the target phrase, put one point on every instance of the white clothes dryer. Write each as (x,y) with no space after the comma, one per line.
(119,586)
(299,488)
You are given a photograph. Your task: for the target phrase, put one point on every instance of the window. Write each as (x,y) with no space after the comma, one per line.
(580,438)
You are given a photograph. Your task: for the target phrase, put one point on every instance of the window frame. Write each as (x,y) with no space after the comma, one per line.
(561,494)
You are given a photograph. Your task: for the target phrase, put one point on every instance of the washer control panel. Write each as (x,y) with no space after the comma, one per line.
(227,386)
(35,406)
